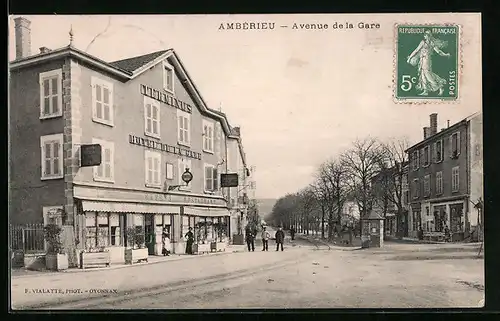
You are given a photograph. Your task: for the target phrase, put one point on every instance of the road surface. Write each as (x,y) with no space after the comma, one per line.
(303,276)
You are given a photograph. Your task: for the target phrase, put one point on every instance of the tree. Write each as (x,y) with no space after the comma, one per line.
(362,162)
(396,159)
(332,181)
(307,204)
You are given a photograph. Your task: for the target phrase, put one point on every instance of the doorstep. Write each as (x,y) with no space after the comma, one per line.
(151,260)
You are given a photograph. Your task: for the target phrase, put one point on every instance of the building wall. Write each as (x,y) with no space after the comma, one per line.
(445,166)
(476,164)
(129,120)
(27,192)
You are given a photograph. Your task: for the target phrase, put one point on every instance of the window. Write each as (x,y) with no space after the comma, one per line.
(416,188)
(152,168)
(170,171)
(427,155)
(427,185)
(439,183)
(208,136)
(455,145)
(455,183)
(416,160)
(52,156)
(168,77)
(103,230)
(211,175)
(102,101)
(182,166)
(438,151)
(106,171)
(183,119)
(151,117)
(51,94)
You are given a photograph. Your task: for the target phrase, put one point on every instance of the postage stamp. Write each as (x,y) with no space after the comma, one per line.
(427,62)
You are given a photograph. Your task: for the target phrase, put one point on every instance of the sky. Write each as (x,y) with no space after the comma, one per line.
(300,96)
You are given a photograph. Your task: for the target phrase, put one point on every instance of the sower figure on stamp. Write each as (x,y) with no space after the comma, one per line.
(421,57)
(265,239)
(280,238)
(190,240)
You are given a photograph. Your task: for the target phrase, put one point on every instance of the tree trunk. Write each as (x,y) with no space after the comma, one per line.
(322,221)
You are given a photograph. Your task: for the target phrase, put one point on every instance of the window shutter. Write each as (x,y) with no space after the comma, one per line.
(207,178)
(451,146)
(434,153)
(458,143)
(216,181)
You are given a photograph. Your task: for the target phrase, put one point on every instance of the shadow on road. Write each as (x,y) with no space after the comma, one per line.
(435,257)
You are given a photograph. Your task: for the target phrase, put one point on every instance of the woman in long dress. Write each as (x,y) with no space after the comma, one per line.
(428,81)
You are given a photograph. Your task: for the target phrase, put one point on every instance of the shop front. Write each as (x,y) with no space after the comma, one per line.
(210,226)
(105,218)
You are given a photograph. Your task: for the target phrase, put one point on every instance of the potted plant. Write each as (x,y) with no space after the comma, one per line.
(55,259)
(138,252)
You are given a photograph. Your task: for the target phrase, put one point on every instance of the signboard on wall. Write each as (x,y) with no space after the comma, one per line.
(229,180)
(90,155)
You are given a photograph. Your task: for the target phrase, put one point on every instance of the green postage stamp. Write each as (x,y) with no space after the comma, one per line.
(427,62)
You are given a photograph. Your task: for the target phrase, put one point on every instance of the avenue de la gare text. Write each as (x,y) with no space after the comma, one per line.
(295,25)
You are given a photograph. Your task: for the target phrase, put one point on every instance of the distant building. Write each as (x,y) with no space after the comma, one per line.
(446,178)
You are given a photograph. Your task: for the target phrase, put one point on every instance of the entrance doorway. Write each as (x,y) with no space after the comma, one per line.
(149,233)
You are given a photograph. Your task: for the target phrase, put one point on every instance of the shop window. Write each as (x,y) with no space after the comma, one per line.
(103,230)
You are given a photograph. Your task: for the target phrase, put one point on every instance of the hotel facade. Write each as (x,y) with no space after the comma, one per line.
(151,124)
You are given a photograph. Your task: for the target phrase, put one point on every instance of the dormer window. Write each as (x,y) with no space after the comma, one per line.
(168,77)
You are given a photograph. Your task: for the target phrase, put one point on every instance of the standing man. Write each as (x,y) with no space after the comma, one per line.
(292,233)
(280,238)
(190,240)
(265,239)
(250,238)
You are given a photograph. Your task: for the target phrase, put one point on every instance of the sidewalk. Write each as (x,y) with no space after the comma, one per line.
(24,273)
(35,290)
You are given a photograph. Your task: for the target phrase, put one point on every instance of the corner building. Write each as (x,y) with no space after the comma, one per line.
(151,123)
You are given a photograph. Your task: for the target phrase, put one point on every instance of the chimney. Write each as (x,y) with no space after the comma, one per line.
(236,131)
(427,131)
(23,37)
(44,50)
(434,125)
(448,123)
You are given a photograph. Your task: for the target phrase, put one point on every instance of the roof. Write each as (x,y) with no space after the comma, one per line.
(134,63)
(128,69)
(443,132)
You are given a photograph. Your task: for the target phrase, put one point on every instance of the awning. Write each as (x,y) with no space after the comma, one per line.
(129,208)
(206,211)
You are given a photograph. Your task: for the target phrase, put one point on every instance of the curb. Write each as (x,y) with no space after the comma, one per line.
(121,266)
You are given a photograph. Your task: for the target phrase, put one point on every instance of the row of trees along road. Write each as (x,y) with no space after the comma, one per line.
(370,173)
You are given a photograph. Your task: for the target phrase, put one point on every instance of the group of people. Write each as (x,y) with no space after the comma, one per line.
(251,234)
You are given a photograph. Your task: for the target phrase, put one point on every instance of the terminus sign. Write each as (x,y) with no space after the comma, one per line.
(140,141)
(165,98)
